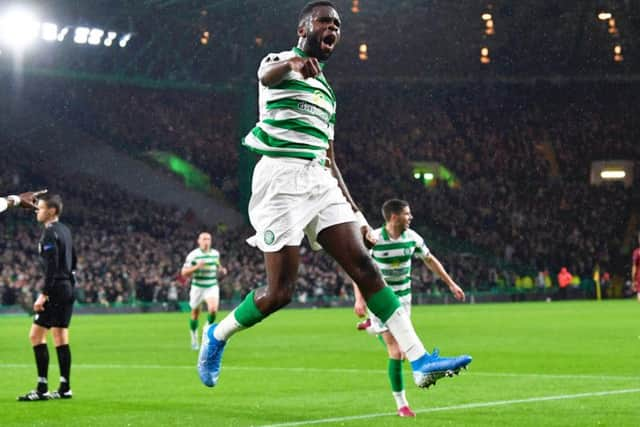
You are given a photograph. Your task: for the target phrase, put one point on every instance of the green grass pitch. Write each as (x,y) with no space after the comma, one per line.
(535,364)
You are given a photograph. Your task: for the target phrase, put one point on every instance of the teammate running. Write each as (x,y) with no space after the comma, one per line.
(202,265)
(396,245)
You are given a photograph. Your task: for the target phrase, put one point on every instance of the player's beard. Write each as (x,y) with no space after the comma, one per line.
(314,42)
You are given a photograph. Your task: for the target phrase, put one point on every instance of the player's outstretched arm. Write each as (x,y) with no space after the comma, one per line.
(272,74)
(367,232)
(29,199)
(24,200)
(436,266)
(4,204)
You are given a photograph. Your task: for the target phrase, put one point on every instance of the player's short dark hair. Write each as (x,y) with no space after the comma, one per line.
(53,201)
(312,5)
(393,206)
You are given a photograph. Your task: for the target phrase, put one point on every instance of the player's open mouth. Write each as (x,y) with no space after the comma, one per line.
(329,41)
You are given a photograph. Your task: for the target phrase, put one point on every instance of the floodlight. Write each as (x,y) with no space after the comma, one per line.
(95,36)
(603,16)
(18,28)
(111,36)
(63,33)
(81,35)
(124,40)
(49,31)
(613,174)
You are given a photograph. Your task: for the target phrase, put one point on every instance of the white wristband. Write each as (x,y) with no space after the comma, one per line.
(15,200)
(361,220)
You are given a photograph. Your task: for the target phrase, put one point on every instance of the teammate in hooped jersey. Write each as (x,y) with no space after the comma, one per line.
(203,265)
(396,245)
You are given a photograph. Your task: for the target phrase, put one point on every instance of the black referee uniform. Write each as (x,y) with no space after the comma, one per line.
(59,260)
(55,301)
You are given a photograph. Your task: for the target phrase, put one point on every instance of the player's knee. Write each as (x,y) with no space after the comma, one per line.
(366,273)
(284,297)
(280,297)
(394,351)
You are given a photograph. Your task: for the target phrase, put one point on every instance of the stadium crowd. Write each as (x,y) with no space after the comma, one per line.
(521,202)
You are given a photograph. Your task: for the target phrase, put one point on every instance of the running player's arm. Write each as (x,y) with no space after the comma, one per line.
(221,268)
(435,265)
(367,232)
(190,265)
(360,306)
(634,262)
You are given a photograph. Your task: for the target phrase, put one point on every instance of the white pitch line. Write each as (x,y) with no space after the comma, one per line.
(459,407)
(333,370)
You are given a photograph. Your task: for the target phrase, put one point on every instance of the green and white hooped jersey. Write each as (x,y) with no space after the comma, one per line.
(207,276)
(297,116)
(394,258)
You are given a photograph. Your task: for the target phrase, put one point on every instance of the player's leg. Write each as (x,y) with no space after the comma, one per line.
(395,376)
(61,341)
(193,327)
(344,243)
(195,300)
(212,298)
(282,272)
(38,338)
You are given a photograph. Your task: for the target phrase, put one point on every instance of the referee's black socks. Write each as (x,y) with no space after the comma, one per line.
(42,363)
(64,361)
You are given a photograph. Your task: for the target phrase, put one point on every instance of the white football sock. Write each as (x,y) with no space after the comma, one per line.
(400,398)
(227,327)
(401,328)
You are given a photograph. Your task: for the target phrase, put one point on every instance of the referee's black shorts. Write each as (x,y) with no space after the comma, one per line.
(58,309)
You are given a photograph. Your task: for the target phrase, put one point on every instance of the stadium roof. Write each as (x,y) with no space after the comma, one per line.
(406,39)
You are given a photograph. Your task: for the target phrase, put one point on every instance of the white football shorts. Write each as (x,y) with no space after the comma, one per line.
(291,197)
(197,294)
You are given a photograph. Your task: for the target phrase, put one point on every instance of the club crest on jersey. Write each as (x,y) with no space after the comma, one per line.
(269,237)
(407,251)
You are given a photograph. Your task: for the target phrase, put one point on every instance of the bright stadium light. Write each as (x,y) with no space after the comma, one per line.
(81,35)
(111,36)
(613,174)
(63,33)
(95,36)
(124,40)
(603,16)
(18,28)
(49,31)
